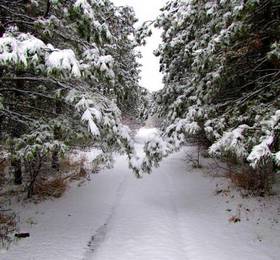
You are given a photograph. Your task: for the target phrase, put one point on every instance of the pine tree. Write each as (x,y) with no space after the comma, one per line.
(66,67)
(220,61)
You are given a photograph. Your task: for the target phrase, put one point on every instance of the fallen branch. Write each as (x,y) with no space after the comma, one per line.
(22,235)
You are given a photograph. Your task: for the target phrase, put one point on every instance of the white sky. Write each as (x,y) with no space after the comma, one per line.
(148,10)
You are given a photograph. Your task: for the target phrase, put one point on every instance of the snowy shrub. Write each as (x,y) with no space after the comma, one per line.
(261,153)
(231,143)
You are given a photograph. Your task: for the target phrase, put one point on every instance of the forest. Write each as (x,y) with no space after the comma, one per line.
(69,84)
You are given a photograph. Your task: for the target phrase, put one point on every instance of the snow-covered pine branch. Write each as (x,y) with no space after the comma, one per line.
(70,66)
(220,61)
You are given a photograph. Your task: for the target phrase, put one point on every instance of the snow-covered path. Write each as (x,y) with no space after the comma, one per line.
(172,214)
(144,224)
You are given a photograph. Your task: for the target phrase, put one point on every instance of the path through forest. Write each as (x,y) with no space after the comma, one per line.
(173,214)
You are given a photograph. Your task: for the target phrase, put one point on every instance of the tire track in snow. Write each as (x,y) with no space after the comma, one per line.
(170,185)
(166,178)
(143,222)
(100,233)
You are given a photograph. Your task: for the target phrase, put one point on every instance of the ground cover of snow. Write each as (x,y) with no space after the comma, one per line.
(145,134)
(175,213)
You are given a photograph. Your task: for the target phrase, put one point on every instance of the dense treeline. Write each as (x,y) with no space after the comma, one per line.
(221,68)
(71,65)
(65,67)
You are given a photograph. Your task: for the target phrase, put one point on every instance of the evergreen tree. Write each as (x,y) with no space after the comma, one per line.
(220,61)
(65,67)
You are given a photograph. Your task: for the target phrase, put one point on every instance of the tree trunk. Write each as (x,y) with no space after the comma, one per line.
(30,191)
(34,170)
(16,166)
(55,160)
(47,9)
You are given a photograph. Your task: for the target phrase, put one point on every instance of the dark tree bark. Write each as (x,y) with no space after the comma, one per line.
(55,160)
(2,29)
(57,136)
(48,9)
(17,172)
(34,170)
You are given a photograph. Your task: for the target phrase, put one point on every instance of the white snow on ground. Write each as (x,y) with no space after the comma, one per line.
(172,214)
(86,156)
(145,134)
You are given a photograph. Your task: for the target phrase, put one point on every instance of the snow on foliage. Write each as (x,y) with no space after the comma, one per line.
(54,1)
(71,65)
(87,116)
(275,51)
(105,64)
(22,49)
(85,8)
(27,50)
(277,158)
(221,77)
(63,60)
(261,152)
(231,142)
(155,149)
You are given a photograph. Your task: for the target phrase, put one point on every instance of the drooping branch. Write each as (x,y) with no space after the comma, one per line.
(26,92)
(17,117)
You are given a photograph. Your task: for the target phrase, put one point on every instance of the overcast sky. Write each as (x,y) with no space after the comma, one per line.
(148,10)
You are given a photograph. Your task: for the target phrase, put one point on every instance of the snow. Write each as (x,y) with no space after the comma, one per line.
(87,157)
(172,214)
(232,141)
(63,60)
(260,152)
(190,128)
(146,134)
(97,114)
(275,51)
(26,47)
(91,54)
(277,158)
(17,50)
(83,103)
(85,7)
(93,128)
(105,64)
(87,116)
(275,118)
(124,132)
